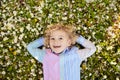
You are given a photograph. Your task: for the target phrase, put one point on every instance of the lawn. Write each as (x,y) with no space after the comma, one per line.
(22,21)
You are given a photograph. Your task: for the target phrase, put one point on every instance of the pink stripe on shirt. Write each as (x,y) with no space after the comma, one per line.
(51,66)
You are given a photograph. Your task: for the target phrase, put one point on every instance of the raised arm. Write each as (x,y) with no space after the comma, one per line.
(33,49)
(89,48)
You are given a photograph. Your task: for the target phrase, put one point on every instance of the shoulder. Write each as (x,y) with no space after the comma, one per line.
(74,48)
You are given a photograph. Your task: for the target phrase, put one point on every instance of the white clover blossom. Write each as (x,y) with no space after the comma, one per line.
(90,74)
(2,33)
(18,51)
(113,63)
(64,18)
(21,12)
(71,15)
(50,15)
(32,15)
(10,19)
(117,78)
(21,29)
(7,57)
(104,77)
(21,36)
(24,44)
(8,8)
(40,72)
(8,63)
(14,32)
(15,39)
(30,79)
(3,72)
(1,57)
(9,26)
(5,38)
(28,27)
(14,13)
(32,60)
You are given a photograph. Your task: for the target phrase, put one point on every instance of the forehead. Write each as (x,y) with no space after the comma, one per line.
(59,33)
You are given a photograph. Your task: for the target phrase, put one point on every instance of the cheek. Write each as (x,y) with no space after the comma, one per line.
(68,42)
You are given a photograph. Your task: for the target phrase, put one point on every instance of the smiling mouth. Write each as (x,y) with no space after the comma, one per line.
(56,46)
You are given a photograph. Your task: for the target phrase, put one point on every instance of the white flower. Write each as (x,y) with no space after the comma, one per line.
(89,1)
(1,45)
(50,16)
(9,26)
(18,51)
(109,47)
(85,28)
(10,19)
(64,18)
(15,39)
(5,50)
(90,74)
(19,71)
(32,15)
(113,63)
(24,44)
(3,15)
(74,10)
(21,12)
(14,33)
(32,60)
(104,77)
(28,27)
(5,38)
(7,8)
(2,33)
(117,78)
(14,13)
(65,13)
(21,36)
(3,72)
(21,29)
(6,57)
(71,15)
(30,79)
(8,63)
(1,56)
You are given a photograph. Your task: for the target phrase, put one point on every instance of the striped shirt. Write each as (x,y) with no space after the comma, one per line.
(65,66)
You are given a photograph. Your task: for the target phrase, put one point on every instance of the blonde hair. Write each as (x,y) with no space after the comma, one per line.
(70,30)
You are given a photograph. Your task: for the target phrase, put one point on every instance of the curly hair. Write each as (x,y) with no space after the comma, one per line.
(70,30)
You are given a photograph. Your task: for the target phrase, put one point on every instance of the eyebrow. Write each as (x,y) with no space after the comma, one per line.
(58,35)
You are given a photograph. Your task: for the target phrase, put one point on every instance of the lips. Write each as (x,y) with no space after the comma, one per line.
(56,46)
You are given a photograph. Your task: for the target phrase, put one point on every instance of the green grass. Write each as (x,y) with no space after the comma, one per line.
(25,20)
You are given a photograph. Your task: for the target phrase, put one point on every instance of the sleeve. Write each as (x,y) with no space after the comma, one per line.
(33,49)
(89,48)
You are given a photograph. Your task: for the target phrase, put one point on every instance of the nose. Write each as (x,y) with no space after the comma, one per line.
(56,42)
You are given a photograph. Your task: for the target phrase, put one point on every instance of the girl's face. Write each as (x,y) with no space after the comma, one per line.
(59,41)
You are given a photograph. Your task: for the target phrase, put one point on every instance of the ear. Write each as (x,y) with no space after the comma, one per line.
(69,42)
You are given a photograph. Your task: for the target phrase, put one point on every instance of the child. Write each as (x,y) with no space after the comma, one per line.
(61,59)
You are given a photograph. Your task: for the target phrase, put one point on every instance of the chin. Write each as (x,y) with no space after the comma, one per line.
(57,51)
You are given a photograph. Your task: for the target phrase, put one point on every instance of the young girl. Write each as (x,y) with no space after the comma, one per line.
(61,59)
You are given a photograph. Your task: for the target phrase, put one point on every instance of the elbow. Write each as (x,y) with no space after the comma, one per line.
(28,47)
(94,49)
